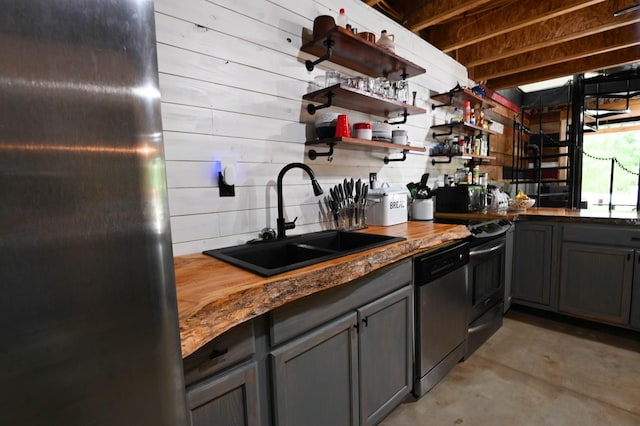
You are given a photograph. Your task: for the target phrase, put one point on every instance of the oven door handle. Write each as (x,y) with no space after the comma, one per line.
(482,252)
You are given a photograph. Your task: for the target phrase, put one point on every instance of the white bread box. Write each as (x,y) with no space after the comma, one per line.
(386,206)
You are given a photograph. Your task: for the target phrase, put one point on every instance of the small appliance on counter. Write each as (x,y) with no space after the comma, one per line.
(460,198)
(387,206)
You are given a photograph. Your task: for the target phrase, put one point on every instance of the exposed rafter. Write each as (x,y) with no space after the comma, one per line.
(584,23)
(513,42)
(433,13)
(511,17)
(609,41)
(592,63)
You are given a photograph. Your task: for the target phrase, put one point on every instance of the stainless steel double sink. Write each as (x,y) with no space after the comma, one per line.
(269,258)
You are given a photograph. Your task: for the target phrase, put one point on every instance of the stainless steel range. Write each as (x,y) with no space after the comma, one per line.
(489,283)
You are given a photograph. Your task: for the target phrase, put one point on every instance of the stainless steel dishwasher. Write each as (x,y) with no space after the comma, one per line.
(442,306)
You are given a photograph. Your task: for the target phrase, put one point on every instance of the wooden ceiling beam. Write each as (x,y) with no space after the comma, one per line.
(584,23)
(514,16)
(436,12)
(592,63)
(608,41)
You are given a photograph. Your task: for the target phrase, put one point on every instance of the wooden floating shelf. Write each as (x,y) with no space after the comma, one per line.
(359,100)
(449,157)
(366,142)
(460,96)
(460,129)
(361,55)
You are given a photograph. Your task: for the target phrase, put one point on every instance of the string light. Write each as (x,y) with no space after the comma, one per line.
(616,161)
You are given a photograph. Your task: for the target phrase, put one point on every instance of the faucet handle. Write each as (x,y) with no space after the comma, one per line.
(290,225)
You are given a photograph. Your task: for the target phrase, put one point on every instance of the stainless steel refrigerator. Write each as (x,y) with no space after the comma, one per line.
(88,316)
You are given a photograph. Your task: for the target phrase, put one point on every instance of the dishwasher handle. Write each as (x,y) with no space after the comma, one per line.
(485,251)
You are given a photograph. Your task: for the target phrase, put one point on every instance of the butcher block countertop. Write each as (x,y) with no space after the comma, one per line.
(549,214)
(214,296)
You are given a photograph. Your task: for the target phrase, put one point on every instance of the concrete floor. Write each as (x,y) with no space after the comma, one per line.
(537,371)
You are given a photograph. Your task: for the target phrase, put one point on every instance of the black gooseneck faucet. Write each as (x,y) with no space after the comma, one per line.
(282,225)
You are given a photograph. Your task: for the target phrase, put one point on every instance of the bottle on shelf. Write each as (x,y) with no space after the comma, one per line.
(467,111)
(472,119)
(342,19)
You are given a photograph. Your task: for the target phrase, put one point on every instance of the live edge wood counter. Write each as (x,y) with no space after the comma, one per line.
(549,214)
(214,296)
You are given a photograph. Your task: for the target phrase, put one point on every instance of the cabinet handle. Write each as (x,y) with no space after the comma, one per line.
(217,353)
(365,321)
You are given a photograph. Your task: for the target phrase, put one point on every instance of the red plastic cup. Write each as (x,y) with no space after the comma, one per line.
(343,129)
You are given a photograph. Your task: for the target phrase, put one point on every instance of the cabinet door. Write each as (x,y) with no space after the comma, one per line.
(635,293)
(385,336)
(315,377)
(595,282)
(228,399)
(532,267)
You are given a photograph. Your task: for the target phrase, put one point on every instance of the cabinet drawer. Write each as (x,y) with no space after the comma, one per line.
(610,235)
(224,351)
(228,399)
(302,315)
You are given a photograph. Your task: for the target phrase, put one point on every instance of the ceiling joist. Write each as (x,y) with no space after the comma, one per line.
(584,23)
(578,66)
(508,43)
(619,38)
(448,37)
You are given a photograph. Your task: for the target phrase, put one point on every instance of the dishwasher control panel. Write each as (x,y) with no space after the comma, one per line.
(431,266)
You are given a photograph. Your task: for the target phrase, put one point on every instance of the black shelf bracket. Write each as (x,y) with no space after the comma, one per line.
(436,135)
(473,162)
(310,65)
(311,108)
(404,157)
(434,106)
(313,154)
(434,162)
(404,120)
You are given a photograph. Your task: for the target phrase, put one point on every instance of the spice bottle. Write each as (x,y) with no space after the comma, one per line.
(342,19)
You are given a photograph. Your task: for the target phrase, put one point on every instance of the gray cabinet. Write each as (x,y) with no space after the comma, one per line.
(315,377)
(533,281)
(228,399)
(635,293)
(222,380)
(385,340)
(597,273)
(352,369)
(595,282)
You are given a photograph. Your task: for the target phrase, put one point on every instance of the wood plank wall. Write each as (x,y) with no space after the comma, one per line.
(232,79)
